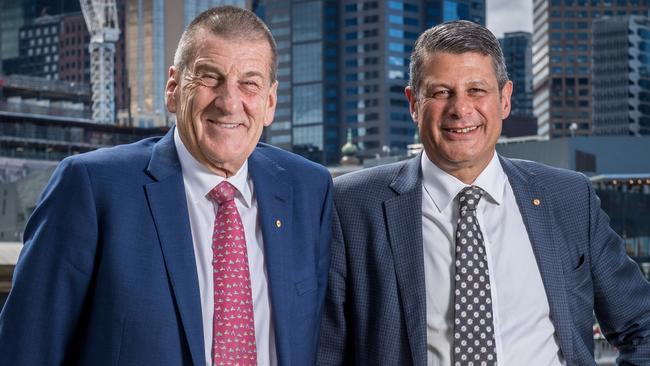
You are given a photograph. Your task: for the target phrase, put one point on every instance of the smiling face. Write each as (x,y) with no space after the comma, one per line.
(458,110)
(223,100)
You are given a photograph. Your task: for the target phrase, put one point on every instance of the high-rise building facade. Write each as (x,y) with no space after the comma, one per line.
(363,47)
(621,76)
(57,46)
(306,117)
(74,60)
(376,43)
(152,31)
(562,54)
(38,49)
(517,51)
(16,14)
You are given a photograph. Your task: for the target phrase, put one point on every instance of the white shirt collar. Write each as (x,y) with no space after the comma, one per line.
(199,180)
(443,187)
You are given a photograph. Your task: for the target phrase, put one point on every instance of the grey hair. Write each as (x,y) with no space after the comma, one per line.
(231,23)
(456,37)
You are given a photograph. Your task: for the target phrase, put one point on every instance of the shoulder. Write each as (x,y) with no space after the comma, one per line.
(561,185)
(294,166)
(370,179)
(546,174)
(136,153)
(117,163)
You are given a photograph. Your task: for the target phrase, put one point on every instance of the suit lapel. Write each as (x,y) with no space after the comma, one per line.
(404,224)
(168,207)
(538,219)
(274,196)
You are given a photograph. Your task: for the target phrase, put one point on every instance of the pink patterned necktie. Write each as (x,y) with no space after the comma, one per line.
(233,335)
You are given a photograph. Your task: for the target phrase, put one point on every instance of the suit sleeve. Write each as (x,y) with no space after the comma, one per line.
(622,294)
(334,348)
(41,318)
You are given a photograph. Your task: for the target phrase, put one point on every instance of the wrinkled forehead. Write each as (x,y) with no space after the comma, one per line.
(431,62)
(248,52)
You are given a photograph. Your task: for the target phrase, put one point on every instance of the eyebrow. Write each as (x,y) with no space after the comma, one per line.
(209,66)
(249,74)
(429,86)
(482,83)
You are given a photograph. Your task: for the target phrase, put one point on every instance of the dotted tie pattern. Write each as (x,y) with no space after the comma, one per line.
(233,337)
(474,343)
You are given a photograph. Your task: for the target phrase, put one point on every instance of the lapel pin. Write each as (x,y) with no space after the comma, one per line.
(536,202)
(278,223)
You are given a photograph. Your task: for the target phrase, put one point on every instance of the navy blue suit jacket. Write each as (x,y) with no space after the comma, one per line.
(108,276)
(375,311)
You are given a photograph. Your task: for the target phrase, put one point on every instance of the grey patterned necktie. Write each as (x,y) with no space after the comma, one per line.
(474,343)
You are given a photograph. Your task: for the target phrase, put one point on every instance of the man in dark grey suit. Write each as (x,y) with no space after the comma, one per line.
(460,256)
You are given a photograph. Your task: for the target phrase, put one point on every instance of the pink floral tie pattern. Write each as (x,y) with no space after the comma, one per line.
(233,335)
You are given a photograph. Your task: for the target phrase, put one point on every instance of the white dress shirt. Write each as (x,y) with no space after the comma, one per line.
(199,181)
(522,327)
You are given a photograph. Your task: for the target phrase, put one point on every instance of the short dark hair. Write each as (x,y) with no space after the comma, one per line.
(456,37)
(229,22)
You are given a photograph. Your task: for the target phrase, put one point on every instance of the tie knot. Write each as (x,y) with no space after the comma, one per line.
(223,192)
(469,197)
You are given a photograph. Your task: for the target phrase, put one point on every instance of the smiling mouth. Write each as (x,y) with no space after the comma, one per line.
(462,130)
(224,124)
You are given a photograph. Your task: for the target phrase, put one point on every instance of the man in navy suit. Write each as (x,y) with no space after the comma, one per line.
(117,267)
(463,257)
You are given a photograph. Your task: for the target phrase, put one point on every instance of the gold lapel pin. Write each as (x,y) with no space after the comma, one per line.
(536,202)
(278,223)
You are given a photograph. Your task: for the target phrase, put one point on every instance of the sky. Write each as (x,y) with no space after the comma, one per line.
(509,16)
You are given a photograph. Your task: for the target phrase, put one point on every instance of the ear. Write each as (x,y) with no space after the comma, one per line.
(410,95)
(506,94)
(271,102)
(170,89)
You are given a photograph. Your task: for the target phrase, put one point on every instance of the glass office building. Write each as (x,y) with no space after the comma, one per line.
(562,61)
(344,65)
(621,76)
(517,51)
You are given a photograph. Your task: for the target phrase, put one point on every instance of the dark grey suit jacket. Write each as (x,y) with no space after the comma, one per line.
(375,312)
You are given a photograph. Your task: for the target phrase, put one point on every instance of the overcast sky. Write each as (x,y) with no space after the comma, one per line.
(509,16)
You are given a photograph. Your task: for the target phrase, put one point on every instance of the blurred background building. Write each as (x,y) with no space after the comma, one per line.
(344,65)
(562,61)
(152,30)
(621,76)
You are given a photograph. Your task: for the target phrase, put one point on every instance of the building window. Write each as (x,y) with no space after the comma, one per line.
(307,104)
(307,62)
(306,21)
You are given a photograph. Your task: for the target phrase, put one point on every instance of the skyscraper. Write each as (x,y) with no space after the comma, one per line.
(38,49)
(562,87)
(364,46)
(517,50)
(152,31)
(621,76)
(306,118)
(376,42)
(16,14)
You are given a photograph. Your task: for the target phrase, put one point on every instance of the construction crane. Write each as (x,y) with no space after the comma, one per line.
(101,19)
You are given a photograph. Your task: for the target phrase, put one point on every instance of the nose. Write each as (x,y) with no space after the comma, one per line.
(227,97)
(460,106)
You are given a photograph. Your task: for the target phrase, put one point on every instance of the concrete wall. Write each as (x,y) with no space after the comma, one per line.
(614,154)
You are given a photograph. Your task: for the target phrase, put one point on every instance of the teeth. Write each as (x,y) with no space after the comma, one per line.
(464,130)
(229,125)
